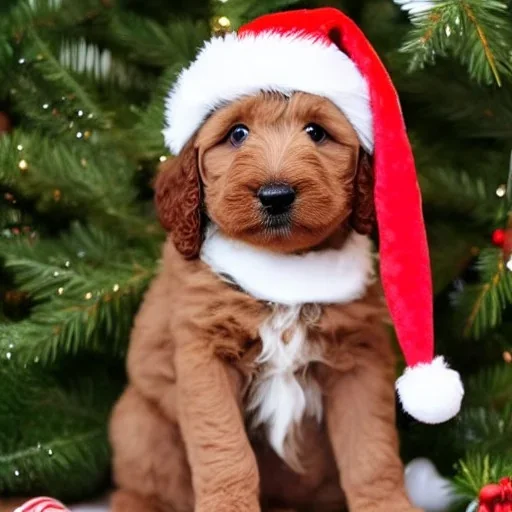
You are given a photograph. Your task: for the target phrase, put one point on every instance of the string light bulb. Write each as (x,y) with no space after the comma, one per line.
(23,165)
(57,195)
(501,190)
(221,24)
(224,22)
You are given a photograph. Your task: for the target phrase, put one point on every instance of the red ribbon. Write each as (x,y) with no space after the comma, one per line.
(496,497)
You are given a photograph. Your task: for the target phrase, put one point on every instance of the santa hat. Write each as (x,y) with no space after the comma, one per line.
(323,52)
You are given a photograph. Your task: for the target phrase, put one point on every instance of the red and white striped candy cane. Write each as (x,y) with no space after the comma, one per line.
(42,504)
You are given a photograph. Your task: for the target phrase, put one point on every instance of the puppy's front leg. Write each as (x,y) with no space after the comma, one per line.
(224,469)
(360,408)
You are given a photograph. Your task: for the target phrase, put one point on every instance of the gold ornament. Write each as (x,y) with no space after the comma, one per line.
(83,162)
(57,195)
(87,134)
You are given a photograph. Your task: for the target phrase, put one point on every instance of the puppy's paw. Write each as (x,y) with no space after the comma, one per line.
(223,502)
(400,504)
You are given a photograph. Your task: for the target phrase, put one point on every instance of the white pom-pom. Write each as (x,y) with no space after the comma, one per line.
(426,488)
(430,392)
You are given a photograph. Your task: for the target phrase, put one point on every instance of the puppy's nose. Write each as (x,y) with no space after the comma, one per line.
(276,197)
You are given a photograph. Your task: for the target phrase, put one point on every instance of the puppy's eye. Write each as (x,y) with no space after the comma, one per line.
(316,133)
(238,134)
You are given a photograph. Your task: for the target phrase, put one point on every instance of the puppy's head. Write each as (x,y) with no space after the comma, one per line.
(281,173)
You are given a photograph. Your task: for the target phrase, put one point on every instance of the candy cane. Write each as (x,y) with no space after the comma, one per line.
(42,504)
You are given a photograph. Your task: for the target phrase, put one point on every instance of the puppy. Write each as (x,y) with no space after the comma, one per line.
(239,399)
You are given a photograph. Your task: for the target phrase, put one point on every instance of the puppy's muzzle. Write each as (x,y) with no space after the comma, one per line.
(276,198)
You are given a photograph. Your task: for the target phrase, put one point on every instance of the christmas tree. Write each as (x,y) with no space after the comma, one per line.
(82,85)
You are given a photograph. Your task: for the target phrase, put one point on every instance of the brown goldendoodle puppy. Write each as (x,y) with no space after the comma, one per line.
(261,374)
(222,381)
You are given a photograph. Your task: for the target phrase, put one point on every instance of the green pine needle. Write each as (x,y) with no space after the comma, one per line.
(473,31)
(482,304)
(478,470)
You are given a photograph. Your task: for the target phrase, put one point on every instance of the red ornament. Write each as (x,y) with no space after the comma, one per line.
(496,497)
(498,237)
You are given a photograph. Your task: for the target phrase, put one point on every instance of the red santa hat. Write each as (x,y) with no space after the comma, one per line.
(323,52)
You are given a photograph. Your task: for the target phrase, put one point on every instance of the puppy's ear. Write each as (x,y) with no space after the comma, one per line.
(363,212)
(178,200)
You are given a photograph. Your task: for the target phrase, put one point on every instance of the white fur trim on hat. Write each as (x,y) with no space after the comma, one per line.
(328,276)
(229,68)
(430,392)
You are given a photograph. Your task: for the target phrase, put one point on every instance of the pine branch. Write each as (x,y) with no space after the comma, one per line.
(59,329)
(100,67)
(86,290)
(476,32)
(450,259)
(455,191)
(44,14)
(162,46)
(478,470)
(485,430)
(491,388)
(80,177)
(53,431)
(51,69)
(442,93)
(146,136)
(482,305)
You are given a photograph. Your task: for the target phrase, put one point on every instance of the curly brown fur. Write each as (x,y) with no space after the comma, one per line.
(178,201)
(180,432)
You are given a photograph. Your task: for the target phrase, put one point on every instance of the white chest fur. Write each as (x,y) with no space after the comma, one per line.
(283,393)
